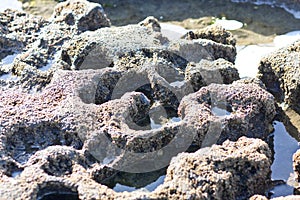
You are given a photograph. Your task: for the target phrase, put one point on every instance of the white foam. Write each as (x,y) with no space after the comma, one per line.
(178,84)
(229,24)
(12,4)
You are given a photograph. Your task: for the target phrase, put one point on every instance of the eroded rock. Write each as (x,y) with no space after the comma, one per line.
(220,112)
(231,171)
(279,71)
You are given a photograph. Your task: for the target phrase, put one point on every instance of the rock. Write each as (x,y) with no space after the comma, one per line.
(152,23)
(196,50)
(233,170)
(43,40)
(85,104)
(84,15)
(296,164)
(279,71)
(226,171)
(206,72)
(219,112)
(214,32)
(21,27)
(258,197)
(98,49)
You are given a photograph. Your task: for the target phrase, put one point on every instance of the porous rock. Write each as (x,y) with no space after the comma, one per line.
(279,71)
(198,49)
(98,49)
(219,112)
(233,170)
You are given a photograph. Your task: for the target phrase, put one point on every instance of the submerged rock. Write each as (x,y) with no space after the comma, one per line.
(279,71)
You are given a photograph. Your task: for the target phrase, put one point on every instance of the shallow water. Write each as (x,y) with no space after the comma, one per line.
(282,168)
(150,187)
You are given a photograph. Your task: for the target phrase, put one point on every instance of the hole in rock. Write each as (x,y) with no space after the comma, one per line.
(221,109)
(12,170)
(124,181)
(174,76)
(157,117)
(56,191)
(23,143)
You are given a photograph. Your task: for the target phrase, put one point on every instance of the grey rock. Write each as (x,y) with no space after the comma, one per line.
(206,72)
(214,32)
(21,27)
(198,49)
(98,49)
(84,15)
(233,170)
(219,112)
(279,71)
(296,164)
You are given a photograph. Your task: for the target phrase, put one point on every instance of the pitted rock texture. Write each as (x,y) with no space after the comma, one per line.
(218,112)
(42,40)
(217,172)
(279,71)
(98,49)
(232,170)
(206,72)
(20,27)
(198,49)
(84,15)
(84,101)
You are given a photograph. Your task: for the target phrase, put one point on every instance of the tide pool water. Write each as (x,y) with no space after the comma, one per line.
(282,168)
